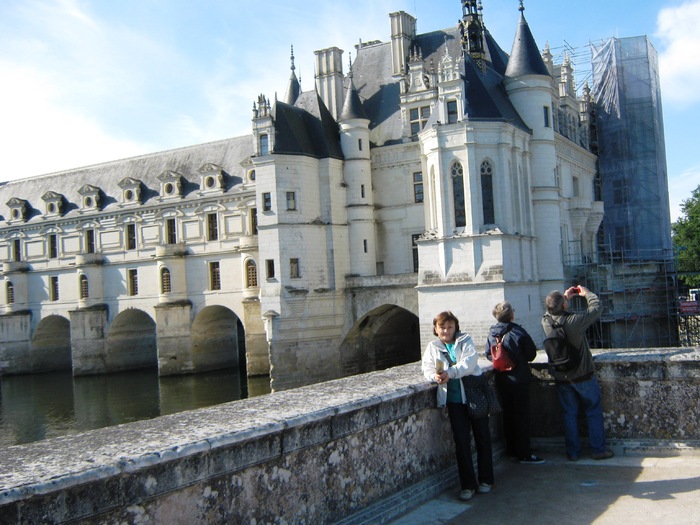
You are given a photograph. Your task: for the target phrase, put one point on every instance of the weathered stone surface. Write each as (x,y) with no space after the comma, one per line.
(314,454)
(648,394)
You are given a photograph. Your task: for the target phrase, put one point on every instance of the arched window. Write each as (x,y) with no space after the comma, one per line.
(10,292)
(84,288)
(487,192)
(165,286)
(251,273)
(458,194)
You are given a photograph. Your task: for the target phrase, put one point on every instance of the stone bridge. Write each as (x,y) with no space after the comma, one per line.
(318,454)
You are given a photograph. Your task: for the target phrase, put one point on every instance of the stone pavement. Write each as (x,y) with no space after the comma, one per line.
(625,489)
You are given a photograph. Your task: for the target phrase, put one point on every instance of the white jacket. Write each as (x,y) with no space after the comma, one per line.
(467,363)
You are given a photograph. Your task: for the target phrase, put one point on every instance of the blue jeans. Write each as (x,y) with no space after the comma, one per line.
(585,395)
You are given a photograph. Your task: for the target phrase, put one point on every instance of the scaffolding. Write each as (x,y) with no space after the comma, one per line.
(631,146)
(634,272)
(639,298)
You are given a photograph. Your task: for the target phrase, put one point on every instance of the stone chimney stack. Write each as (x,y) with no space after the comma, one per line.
(403,31)
(329,78)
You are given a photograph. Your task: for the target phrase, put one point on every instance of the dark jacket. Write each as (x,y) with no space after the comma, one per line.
(575,325)
(521,347)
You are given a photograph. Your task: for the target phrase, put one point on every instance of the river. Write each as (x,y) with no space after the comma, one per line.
(41,406)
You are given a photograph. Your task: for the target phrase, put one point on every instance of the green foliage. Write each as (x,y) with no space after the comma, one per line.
(686,239)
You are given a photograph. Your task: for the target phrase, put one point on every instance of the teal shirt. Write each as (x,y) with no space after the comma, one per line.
(454,389)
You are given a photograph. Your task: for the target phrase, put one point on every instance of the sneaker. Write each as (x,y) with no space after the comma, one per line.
(466,494)
(606,454)
(531,460)
(572,457)
(484,488)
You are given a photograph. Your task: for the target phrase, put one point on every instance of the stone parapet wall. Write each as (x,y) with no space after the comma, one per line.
(650,395)
(316,454)
(309,455)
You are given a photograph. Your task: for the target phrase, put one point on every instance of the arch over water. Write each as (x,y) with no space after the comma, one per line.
(131,341)
(384,337)
(218,340)
(50,345)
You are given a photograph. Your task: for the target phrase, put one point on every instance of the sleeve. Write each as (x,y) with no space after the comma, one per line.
(487,352)
(428,363)
(468,360)
(527,346)
(581,321)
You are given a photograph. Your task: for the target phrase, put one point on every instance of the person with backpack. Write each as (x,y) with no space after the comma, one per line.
(513,381)
(571,365)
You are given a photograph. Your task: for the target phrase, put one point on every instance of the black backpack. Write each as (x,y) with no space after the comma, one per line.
(563,356)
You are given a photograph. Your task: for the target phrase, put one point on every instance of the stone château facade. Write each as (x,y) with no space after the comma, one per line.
(438,173)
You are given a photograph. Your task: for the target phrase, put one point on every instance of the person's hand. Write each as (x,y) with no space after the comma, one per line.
(441,378)
(574,291)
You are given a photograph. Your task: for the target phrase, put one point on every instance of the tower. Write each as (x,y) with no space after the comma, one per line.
(529,86)
(357,173)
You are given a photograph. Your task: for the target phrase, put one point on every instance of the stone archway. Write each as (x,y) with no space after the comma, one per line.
(218,340)
(384,337)
(50,345)
(131,342)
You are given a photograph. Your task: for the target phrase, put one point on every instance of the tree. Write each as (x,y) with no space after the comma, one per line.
(686,240)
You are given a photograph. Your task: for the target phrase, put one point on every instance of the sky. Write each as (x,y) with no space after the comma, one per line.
(90,81)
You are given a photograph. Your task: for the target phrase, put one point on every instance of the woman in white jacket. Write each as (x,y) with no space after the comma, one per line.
(445,361)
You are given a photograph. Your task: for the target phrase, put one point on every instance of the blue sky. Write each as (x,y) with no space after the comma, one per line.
(88,81)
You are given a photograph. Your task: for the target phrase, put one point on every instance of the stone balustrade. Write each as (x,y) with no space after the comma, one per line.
(317,454)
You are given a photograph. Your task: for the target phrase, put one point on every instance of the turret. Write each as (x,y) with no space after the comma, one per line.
(529,87)
(357,174)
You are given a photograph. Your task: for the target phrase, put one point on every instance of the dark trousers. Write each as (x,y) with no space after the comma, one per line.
(515,400)
(461,423)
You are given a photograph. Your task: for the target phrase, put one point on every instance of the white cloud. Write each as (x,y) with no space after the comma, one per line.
(43,137)
(679,63)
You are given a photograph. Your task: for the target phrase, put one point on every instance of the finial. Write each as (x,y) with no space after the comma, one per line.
(522,6)
(292,68)
(349,64)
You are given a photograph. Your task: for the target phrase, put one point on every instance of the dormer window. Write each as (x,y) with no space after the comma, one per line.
(211,178)
(18,209)
(170,184)
(90,198)
(53,203)
(131,191)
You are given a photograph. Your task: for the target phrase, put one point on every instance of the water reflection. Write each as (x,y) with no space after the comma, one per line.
(41,406)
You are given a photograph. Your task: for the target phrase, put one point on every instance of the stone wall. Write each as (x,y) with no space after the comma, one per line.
(309,455)
(650,395)
(316,454)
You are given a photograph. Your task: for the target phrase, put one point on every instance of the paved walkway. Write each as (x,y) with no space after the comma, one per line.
(629,490)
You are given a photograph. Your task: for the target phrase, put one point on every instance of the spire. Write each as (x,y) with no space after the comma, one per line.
(352,108)
(294,88)
(471,27)
(525,58)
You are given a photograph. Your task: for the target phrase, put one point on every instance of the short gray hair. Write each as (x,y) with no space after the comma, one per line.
(503,312)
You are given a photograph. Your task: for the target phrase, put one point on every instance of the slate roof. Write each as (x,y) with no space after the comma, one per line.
(525,58)
(307,128)
(228,154)
(380,92)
